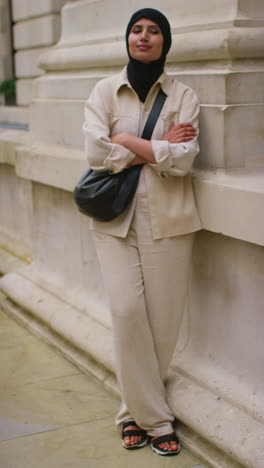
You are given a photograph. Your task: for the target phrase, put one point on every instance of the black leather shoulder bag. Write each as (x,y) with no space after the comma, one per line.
(104,196)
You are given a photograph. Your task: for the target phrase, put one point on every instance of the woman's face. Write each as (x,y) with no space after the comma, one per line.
(145,41)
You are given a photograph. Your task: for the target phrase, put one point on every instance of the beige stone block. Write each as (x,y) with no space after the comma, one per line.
(230,202)
(38,32)
(56,166)
(230,135)
(9,140)
(221,354)
(218,423)
(87,19)
(51,121)
(15,196)
(226,306)
(67,85)
(24,90)
(24,9)
(26,63)
(8,263)
(110,54)
(221,87)
(59,168)
(14,114)
(81,283)
(16,223)
(15,243)
(196,46)
(234,288)
(253,9)
(224,87)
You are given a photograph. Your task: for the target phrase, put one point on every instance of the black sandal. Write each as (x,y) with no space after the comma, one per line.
(162,440)
(134,432)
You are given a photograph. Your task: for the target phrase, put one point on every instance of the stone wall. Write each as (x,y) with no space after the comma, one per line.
(216,379)
(36,28)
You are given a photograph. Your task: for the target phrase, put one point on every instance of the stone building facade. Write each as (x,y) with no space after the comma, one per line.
(61,49)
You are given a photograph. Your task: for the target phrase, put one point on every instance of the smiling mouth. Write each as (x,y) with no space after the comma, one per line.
(143,47)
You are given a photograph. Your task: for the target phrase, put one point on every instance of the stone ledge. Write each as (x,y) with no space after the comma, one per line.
(58,128)
(196,444)
(227,9)
(71,324)
(57,166)
(26,62)
(222,195)
(14,114)
(9,142)
(23,10)
(16,250)
(221,87)
(219,44)
(90,16)
(214,418)
(8,262)
(39,32)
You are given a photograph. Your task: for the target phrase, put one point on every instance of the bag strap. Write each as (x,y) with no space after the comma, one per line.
(154,115)
(132,173)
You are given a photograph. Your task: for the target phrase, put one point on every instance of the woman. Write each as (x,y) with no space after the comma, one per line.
(145,253)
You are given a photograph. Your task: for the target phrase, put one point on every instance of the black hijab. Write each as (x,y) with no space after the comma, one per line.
(143,75)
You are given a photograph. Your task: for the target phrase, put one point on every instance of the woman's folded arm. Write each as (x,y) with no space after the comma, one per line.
(175,152)
(101,152)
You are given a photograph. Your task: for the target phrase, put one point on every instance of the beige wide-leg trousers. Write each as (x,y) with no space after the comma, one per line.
(147,282)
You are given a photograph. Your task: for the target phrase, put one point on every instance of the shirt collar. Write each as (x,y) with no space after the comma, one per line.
(164,80)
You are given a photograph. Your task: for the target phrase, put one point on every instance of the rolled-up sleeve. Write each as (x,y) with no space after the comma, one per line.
(101,153)
(177,158)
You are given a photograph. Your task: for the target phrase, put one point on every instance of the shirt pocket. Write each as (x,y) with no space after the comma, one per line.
(170,118)
(122,123)
(166,120)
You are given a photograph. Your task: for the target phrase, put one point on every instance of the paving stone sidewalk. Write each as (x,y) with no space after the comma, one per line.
(54,416)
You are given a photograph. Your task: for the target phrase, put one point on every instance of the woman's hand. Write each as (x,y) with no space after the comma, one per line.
(180,133)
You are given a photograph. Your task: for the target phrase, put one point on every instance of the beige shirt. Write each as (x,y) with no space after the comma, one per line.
(114,107)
